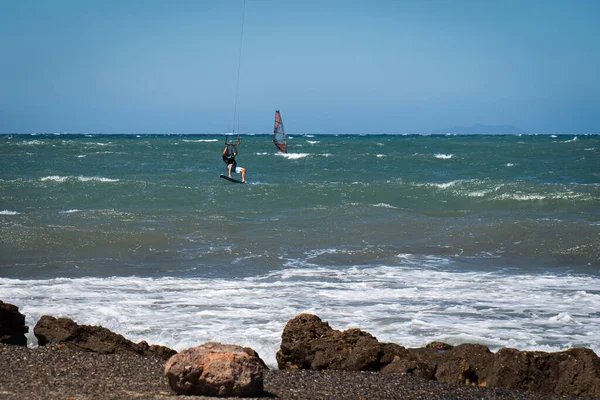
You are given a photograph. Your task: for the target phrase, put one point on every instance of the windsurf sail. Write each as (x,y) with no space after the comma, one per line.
(279,137)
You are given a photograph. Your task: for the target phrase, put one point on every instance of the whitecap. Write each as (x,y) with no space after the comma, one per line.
(58,178)
(8,212)
(443,185)
(293,156)
(443,156)
(55,178)
(562,318)
(384,205)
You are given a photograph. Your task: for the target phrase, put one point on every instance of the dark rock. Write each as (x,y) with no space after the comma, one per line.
(92,338)
(464,364)
(439,346)
(575,371)
(418,362)
(216,369)
(12,325)
(309,343)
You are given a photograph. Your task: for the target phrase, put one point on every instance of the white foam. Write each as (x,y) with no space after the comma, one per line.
(562,318)
(58,178)
(32,142)
(380,155)
(293,156)
(69,211)
(384,205)
(529,312)
(443,185)
(96,179)
(444,156)
(312,141)
(8,212)
(55,178)
(200,140)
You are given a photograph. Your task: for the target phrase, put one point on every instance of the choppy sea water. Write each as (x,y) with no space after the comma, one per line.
(480,239)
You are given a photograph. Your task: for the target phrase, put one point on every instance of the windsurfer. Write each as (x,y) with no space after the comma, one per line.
(229,154)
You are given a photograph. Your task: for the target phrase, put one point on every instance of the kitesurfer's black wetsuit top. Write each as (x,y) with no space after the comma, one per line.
(229,159)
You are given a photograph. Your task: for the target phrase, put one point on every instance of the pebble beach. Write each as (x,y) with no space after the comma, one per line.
(52,372)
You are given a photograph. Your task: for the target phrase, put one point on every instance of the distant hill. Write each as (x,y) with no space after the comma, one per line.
(479,129)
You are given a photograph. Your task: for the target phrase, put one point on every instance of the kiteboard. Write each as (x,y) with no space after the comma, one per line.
(230,179)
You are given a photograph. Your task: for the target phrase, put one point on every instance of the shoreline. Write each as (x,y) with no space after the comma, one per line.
(52,372)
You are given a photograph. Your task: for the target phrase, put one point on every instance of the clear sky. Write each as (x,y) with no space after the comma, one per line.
(330,66)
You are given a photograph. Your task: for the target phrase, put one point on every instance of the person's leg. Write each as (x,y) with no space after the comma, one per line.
(229,167)
(243,170)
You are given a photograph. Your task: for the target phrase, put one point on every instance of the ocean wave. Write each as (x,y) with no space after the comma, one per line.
(8,212)
(58,178)
(31,142)
(444,156)
(455,307)
(445,185)
(384,205)
(200,140)
(541,196)
(293,156)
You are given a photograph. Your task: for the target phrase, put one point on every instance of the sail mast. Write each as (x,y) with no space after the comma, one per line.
(279,138)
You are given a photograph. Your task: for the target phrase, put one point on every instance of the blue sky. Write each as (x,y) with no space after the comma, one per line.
(330,66)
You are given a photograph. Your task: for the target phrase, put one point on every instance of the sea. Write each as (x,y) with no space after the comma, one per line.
(488,239)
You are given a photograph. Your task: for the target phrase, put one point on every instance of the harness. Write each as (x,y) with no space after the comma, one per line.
(229,158)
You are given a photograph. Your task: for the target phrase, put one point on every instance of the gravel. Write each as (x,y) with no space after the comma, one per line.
(53,372)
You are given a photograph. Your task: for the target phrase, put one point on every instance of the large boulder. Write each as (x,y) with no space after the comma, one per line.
(96,339)
(12,325)
(575,371)
(309,343)
(465,364)
(215,369)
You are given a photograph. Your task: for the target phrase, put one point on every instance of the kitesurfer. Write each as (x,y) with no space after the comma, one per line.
(229,154)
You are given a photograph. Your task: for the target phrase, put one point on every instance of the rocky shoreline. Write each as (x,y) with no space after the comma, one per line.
(315,362)
(52,372)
